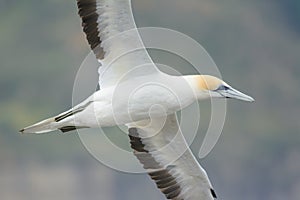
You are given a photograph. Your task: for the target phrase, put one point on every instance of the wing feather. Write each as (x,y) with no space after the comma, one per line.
(87,10)
(169,161)
(112,35)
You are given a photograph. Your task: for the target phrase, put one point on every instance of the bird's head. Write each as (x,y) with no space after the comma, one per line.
(206,86)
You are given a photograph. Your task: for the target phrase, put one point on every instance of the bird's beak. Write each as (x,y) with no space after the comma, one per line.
(235,94)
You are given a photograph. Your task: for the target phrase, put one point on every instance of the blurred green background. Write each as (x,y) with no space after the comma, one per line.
(256,46)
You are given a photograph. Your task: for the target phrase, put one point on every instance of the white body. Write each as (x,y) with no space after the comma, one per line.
(133,100)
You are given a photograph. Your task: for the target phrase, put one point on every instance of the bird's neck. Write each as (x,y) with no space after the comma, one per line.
(198,86)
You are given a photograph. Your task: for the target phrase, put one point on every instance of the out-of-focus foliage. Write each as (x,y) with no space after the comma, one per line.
(256,46)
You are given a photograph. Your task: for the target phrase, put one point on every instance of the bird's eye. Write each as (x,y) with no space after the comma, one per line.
(223,87)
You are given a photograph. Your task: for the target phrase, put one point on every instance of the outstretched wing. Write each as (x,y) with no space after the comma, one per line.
(111,32)
(165,155)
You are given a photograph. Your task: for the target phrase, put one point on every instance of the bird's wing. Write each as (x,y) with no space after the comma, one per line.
(164,153)
(112,34)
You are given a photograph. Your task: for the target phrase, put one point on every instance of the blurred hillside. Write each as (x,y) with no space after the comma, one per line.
(256,46)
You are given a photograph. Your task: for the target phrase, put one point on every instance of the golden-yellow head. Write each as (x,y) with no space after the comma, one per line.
(207,86)
(207,82)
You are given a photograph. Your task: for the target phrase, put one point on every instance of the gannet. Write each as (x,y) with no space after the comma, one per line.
(135,93)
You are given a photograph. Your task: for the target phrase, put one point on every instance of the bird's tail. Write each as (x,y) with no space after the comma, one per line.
(42,127)
(63,122)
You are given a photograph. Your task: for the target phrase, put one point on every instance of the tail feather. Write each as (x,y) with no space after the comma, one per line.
(49,125)
(63,122)
(41,127)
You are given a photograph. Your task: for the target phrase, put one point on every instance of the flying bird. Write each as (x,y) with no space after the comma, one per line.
(134,92)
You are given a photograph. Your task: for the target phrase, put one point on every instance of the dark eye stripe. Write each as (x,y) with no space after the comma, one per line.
(223,87)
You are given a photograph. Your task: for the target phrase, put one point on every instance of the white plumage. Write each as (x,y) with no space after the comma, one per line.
(134,92)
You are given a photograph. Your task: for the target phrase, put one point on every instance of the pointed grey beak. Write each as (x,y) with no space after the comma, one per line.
(235,94)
